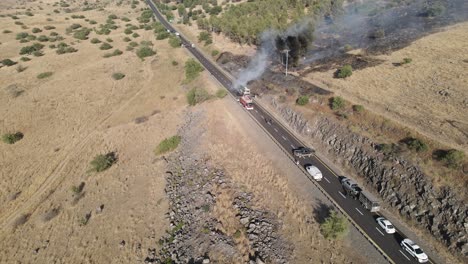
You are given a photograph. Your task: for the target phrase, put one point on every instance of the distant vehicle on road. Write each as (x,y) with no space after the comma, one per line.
(302,152)
(367,200)
(386,225)
(314,172)
(414,250)
(177,34)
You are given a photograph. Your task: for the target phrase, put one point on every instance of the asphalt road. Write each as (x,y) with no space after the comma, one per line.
(387,244)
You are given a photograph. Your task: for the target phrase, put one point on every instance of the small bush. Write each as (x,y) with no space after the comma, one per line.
(174,63)
(116,52)
(389,148)
(135,35)
(38,53)
(214,53)
(6,31)
(453,158)
(345,71)
(175,42)
(144,52)
(127,39)
(112,16)
(196,96)
(44,75)
(128,31)
(434,9)
(358,108)
(49,27)
(11,138)
(21,68)
(302,100)
(25,59)
(21,35)
(337,103)
(105,46)
(43,38)
(416,144)
(167,145)
(192,69)
(133,44)
(36,30)
(95,41)
(82,33)
(334,226)
(92,22)
(162,35)
(103,162)
(407,60)
(221,93)
(118,76)
(109,40)
(8,62)
(65,49)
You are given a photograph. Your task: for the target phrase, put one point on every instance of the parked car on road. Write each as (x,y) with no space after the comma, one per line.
(414,250)
(303,152)
(386,225)
(314,172)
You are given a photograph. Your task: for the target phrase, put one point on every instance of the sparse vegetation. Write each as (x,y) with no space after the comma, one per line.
(416,144)
(36,30)
(44,75)
(358,108)
(196,96)
(302,100)
(12,138)
(345,71)
(452,158)
(82,33)
(118,76)
(221,93)
(168,144)
(8,62)
(144,52)
(175,42)
(105,46)
(95,41)
(103,162)
(334,226)
(116,52)
(65,48)
(337,103)
(406,61)
(192,69)
(174,63)
(214,53)
(21,68)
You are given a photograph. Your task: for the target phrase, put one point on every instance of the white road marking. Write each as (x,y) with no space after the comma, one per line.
(269,123)
(292,146)
(262,116)
(326,179)
(404,255)
(358,211)
(342,195)
(380,231)
(276,130)
(284,137)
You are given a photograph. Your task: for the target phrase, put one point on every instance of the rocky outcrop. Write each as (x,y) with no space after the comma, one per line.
(399,183)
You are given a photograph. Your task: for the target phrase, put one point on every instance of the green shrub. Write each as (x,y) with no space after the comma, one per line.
(167,145)
(25,59)
(345,71)
(65,49)
(196,96)
(127,39)
(31,49)
(389,148)
(358,108)
(214,53)
(162,35)
(407,60)
(175,42)
(109,40)
(92,22)
(21,35)
(125,19)
(49,27)
(95,41)
(8,62)
(453,158)
(103,162)
(135,35)
(174,63)
(433,9)
(11,138)
(44,75)
(416,144)
(112,16)
(6,31)
(133,44)
(337,103)
(221,93)
(116,52)
(192,69)
(118,76)
(302,100)
(334,226)
(146,43)
(42,38)
(128,31)
(105,46)
(144,52)
(21,68)
(38,53)
(82,33)
(36,30)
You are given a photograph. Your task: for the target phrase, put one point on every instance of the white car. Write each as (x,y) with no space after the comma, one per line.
(386,225)
(414,250)
(314,172)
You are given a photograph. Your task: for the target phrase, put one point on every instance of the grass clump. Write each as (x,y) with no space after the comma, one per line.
(31,49)
(12,138)
(144,52)
(168,144)
(25,59)
(36,30)
(65,48)
(21,68)
(196,96)
(118,76)
(358,108)
(8,62)
(214,53)
(453,158)
(221,93)
(105,46)
(82,34)
(175,42)
(192,69)
(174,63)
(416,144)
(6,31)
(102,162)
(44,75)
(337,103)
(95,41)
(116,52)
(406,60)
(127,39)
(334,226)
(345,71)
(302,100)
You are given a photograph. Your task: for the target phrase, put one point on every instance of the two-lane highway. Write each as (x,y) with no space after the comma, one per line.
(387,244)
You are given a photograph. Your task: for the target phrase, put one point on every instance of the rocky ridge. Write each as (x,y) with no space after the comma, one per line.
(401,184)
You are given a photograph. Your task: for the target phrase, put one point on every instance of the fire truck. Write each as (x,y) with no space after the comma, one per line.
(246,99)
